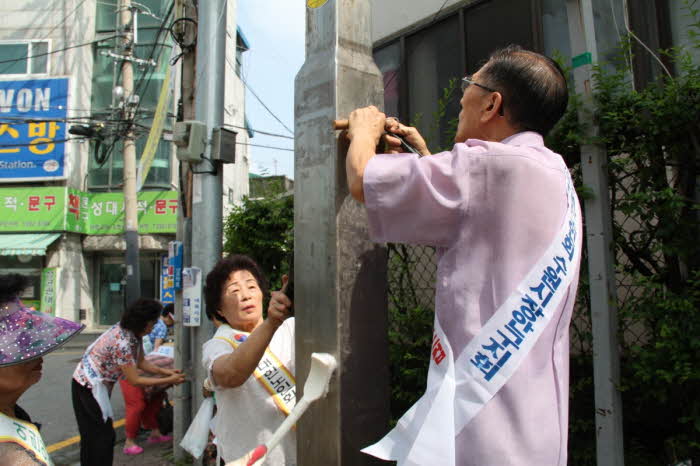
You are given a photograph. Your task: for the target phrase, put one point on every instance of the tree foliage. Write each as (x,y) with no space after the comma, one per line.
(264,230)
(651,136)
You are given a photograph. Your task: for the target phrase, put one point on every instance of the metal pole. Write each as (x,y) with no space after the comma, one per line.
(606,357)
(207,185)
(340,276)
(131,222)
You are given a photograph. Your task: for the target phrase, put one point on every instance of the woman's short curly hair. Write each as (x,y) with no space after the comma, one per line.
(219,274)
(11,286)
(138,315)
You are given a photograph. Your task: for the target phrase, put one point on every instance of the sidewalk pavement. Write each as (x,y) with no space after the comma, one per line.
(153,455)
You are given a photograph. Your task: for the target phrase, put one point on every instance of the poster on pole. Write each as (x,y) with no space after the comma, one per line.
(49,281)
(167,285)
(33,129)
(191,296)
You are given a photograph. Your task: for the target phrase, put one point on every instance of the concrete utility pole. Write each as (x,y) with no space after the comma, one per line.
(606,357)
(183,358)
(131,221)
(340,276)
(207,209)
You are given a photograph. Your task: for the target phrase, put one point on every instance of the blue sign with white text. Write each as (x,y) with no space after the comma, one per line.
(33,128)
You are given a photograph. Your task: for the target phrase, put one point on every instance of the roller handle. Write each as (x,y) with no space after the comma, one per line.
(341,124)
(345,124)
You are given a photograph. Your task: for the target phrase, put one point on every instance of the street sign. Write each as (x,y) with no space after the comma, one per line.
(167,285)
(33,129)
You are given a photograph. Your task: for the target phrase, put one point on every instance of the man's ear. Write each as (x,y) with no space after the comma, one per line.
(491,107)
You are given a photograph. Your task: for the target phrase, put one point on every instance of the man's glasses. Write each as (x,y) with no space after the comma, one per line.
(467,81)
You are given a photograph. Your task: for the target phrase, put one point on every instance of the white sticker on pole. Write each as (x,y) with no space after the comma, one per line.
(191,296)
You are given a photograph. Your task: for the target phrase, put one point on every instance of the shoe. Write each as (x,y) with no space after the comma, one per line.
(133,450)
(161,439)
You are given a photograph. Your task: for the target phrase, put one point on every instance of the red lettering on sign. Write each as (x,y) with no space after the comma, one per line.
(160,206)
(74,205)
(438,352)
(49,201)
(34,203)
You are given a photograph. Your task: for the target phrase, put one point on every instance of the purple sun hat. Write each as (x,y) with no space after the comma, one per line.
(27,334)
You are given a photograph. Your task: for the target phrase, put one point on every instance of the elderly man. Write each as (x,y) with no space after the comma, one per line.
(501,210)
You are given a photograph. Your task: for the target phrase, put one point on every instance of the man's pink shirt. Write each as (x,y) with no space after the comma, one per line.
(491,210)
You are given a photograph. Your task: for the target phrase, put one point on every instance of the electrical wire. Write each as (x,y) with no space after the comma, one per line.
(260,131)
(15,60)
(63,21)
(266,147)
(43,143)
(233,68)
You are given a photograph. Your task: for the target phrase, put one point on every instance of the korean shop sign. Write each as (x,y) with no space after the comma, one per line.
(32,209)
(61,209)
(157,212)
(33,129)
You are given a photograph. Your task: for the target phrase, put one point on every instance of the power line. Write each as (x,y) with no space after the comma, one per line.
(260,131)
(15,60)
(43,143)
(233,68)
(63,21)
(266,147)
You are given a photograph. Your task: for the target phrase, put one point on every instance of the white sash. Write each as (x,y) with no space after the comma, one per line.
(99,389)
(459,388)
(272,374)
(24,434)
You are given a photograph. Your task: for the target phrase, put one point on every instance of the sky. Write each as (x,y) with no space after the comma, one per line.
(275,31)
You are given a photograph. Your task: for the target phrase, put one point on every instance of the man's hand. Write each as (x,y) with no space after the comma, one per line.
(410,135)
(366,122)
(278,310)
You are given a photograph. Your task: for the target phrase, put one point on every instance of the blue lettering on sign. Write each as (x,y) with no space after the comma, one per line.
(507,340)
(33,128)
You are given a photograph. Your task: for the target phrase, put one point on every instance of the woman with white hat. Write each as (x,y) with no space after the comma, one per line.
(26,336)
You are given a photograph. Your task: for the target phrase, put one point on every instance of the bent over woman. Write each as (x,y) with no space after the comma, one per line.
(116,353)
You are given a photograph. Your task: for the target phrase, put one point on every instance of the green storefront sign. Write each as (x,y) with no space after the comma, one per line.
(32,209)
(64,209)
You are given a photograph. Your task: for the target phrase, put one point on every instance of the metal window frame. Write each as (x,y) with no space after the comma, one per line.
(462,10)
(30,43)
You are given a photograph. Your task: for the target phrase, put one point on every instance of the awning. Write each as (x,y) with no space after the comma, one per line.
(33,244)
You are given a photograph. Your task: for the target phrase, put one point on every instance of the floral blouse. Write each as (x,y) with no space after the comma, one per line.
(116,347)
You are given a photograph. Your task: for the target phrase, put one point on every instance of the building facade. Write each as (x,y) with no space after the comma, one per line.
(424,48)
(61,201)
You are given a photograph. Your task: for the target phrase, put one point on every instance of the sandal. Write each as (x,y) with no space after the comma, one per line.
(133,450)
(159,439)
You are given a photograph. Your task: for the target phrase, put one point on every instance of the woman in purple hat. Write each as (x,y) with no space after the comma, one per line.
(25,337)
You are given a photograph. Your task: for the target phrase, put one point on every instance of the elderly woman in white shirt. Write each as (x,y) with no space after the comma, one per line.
(249,409)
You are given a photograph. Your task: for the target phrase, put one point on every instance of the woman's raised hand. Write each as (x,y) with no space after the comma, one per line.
(279,309)
(176,378)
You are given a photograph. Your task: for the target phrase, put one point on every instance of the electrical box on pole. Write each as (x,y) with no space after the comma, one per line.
(190,137)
